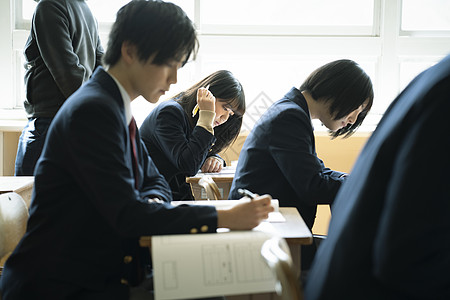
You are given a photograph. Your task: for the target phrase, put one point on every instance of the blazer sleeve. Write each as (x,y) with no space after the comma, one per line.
(154,184)
(291,145)
(54,41)
(184,149)
(100,164)
(329,172)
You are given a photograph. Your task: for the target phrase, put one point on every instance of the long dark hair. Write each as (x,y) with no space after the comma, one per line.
(346,86)
(225,87)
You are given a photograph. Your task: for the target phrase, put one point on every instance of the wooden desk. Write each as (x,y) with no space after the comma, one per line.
(223,179)
(22,185)
(294,231)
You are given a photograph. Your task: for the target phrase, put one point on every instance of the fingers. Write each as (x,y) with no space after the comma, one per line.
(212,165)
(264,200)
(215,166)
(205,99)
(155,200)
(263,206)
(206,165)
(247,215)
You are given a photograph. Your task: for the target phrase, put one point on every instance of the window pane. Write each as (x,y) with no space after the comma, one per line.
(19,75)
(105,10)
(287,12)
(410,68)
(28,7)
(425,15)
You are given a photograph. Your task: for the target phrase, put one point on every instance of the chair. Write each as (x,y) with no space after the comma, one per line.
(276,253)
(211,188)
(13,223)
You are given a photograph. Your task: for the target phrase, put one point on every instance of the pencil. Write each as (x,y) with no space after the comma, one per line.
(245,192)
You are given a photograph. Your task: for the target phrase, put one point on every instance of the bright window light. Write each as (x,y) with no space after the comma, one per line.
(427,15)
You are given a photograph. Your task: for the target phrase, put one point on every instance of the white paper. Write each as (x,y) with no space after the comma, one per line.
(274,217)
(225,171)
(204,265)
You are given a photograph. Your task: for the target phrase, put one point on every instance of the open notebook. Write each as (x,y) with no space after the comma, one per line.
(203,265)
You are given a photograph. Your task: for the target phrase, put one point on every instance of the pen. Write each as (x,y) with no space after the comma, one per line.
(245,192)
(195,110)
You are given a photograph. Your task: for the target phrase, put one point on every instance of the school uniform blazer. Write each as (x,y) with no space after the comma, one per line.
(279,158)
(389,237)
(85,207)
(177,149)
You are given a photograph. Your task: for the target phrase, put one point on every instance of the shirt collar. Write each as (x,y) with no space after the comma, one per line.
(126,100)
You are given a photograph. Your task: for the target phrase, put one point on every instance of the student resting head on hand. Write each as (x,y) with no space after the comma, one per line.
(186,133)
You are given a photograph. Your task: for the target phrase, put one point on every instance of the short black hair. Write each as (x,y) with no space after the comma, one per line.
(346,86)
(225,87)
(154,27)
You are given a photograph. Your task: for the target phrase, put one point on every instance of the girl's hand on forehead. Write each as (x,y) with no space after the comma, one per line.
(205,99)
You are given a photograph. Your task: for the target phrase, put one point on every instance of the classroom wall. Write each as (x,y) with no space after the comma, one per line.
(8,150)
(337,154)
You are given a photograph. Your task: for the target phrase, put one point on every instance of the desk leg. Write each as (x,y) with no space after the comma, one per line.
(296,257)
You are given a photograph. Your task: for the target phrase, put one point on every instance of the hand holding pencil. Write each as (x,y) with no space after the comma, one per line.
(246,215)
(205,101)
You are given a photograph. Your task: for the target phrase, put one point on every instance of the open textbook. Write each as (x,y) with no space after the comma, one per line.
(274,216)
(203,265)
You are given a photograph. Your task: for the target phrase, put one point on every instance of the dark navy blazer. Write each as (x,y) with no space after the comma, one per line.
(177,149)
(279,158)
(389,237)
(85,207)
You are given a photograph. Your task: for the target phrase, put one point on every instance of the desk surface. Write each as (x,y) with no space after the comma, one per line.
(226,175)
(294,230)
(15,183)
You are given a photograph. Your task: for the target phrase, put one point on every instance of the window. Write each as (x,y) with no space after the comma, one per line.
(287,17)
(430,16)
(272,46)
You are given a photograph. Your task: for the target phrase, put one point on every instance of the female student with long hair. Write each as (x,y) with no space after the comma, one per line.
(186,133)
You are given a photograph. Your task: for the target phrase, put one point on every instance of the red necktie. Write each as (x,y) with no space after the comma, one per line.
(132,128)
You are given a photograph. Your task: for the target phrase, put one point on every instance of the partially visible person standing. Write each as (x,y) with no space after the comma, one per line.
(61,53)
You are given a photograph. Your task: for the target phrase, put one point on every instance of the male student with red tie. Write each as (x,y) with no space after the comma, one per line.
(87,201)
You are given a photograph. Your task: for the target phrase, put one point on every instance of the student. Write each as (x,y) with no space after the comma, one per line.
(389,237)
(182,141)
(279,155)
(92,197)
(61,53)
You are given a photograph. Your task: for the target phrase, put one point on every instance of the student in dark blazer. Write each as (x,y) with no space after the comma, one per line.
(92,197)
(181,141)
(279,155)
(389,237)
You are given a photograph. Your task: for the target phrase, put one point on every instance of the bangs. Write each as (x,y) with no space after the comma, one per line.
(237,105)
